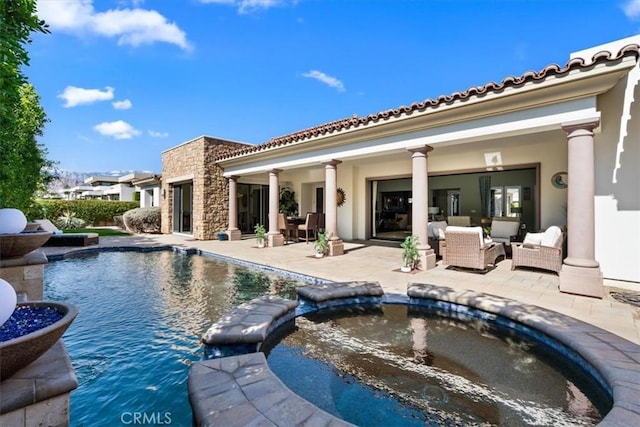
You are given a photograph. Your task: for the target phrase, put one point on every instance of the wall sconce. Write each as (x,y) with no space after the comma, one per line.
(164,193)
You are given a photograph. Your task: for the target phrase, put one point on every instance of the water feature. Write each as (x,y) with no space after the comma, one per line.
(406,366)
(141,319)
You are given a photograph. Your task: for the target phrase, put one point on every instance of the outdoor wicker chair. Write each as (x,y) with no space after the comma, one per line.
(539,250)
(504,229)
(465,247)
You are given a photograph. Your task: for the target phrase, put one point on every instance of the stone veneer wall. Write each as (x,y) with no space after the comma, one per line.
(210,188)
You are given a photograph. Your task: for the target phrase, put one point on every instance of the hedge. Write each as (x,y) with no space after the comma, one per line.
(93,212)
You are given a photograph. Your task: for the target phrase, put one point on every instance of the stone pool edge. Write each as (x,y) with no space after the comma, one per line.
(615,358)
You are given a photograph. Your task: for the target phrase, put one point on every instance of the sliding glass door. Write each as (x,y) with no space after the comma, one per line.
(253,206)
(391,209)
(183,208)
(506,201)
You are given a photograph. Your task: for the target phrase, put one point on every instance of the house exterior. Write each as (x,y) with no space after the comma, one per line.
(194,195)
(150,189)
(561,147)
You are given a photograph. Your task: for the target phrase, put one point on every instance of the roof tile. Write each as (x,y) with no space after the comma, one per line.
(509,81)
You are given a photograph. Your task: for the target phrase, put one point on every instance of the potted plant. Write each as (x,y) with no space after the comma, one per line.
(321,245)
(410,255)
(288,205)
(261,233)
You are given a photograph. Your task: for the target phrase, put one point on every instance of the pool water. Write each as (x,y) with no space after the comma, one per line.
(406,366)
(141,319)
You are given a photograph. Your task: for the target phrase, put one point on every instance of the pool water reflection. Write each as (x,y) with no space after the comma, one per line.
(141,319)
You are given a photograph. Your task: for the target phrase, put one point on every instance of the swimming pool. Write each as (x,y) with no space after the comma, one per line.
(141,319)
(407,365)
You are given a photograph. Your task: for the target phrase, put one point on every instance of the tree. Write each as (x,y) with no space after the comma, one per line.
(21,117)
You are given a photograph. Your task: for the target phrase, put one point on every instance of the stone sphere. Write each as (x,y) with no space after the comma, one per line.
(8,301)
(12,221)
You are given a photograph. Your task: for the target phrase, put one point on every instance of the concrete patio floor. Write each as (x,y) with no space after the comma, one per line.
(370,261)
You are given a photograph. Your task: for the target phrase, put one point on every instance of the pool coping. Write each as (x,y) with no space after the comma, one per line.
(616,359)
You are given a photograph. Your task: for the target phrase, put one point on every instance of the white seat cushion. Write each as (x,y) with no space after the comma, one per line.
(468,230)
(436,229)
(551,236)
(533,238)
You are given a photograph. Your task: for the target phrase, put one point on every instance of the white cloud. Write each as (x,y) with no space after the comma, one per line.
(132,27)
(74,96)
(118,129)
(125,104)
(326,79)
(248,6)
(632,9)
(156,134)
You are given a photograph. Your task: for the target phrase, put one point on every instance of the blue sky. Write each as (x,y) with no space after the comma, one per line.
(123,80)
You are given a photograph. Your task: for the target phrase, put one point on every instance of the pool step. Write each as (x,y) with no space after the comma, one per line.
(251,322)
(335,294)
(242,390)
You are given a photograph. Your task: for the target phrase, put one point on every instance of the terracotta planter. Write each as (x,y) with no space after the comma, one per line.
(19,352)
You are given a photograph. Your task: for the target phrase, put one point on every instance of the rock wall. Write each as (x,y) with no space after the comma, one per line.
(194,162)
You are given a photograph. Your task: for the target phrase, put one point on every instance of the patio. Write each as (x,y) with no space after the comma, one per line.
(367,261)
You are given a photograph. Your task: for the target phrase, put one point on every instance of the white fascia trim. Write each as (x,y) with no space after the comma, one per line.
(182,178)
(524,122)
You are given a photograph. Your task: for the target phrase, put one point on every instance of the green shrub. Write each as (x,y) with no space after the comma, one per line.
(143,220)
(93,212)
(68,221)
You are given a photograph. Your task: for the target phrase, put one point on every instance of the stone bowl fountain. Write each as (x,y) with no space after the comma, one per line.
(17,236)
(44,323)
(13,245)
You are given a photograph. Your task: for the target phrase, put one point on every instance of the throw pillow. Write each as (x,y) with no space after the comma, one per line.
(533,238)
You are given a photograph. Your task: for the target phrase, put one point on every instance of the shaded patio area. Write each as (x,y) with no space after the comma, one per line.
(372,262)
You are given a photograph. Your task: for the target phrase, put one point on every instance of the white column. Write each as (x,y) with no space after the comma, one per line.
(420,202)
(233,232)
(580,273)
(336,246)
(274,238)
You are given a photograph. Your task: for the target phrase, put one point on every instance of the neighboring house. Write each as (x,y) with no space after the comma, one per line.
(73,193)
(150,190)
(114,187)
(532,134)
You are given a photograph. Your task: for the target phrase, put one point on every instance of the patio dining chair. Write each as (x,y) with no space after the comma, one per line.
(309,227)
(286,228)
(459,221)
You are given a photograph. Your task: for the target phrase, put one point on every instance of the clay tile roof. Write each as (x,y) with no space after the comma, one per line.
(510,81)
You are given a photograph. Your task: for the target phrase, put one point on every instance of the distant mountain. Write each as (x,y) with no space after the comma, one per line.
(69,179)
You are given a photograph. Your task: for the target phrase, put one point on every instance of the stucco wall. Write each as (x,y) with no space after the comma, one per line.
(617,201)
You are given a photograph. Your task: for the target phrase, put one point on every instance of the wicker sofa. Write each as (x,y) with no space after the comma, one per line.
(539,250)
(465,247)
